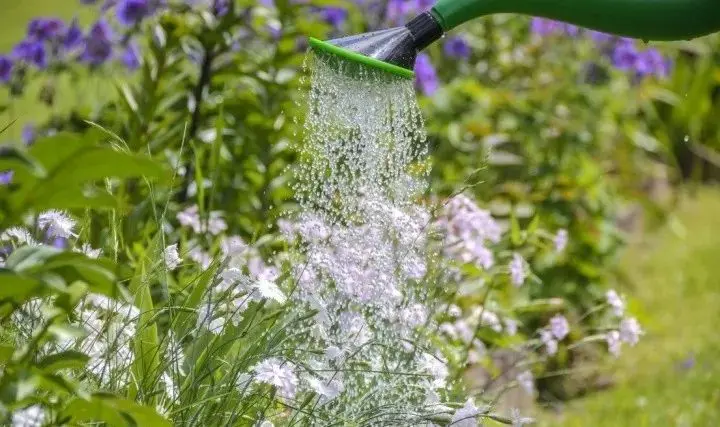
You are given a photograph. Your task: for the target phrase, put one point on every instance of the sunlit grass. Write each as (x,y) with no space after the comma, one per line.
(673,377)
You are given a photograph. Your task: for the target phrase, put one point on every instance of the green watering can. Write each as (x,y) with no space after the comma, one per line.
(395,49)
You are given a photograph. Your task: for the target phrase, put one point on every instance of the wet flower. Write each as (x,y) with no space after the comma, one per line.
(207,320)
(6,67)
(172,257)
(32,416)
(425,75)
(89,251)
(457,47)
(56,224)
(465,416)
(518,272)
(614,343)
(614,301)
(280,374)
(559,327)
(19,234)
(269,290)
(630,331)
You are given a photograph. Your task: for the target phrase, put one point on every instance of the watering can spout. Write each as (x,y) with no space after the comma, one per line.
(395,49)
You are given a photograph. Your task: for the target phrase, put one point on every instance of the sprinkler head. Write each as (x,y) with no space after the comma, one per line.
(393,50)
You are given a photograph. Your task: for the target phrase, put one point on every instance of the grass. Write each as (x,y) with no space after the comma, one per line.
(672,378)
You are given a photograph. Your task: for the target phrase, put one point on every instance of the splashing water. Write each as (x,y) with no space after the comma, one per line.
(365,260)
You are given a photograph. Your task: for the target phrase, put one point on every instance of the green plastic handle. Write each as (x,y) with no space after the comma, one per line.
(641,19)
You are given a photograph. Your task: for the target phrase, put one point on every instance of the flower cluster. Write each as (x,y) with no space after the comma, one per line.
(624,53)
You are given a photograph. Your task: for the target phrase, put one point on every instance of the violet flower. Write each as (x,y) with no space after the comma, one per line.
(457,47)
(6,67)
(425,75)
(98,44)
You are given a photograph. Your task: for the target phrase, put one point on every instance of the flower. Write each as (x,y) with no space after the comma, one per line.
(614,301)
(172,257)
(45,29)
(269,290)
(517,270)
(21,235)
(425,75)
(630,331)
(625,54)
(614,343)
(551,345)
(511,326)
(131,12)
(280,374)
(457,47)
(560,240)
(131,57)
(465,416)
(205,319)
(6,67)
(89,251)
(526,381)
(559,327)
(335,16)
(73,36)
(98,44)
(29,134)
(6,177)
(31,52)
(32,416)
(56,224)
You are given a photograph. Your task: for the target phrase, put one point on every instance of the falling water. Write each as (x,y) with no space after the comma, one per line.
(362,234)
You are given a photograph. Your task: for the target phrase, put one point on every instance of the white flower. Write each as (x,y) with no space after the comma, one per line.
(190,218)
(511,326)
(414,316)
(559,327)
(518,272)
(172,257)
(89,251)
(171,389)
(216,224)
(205,319)
(560,240)
(32,416)
(465,416)
(630,331)
(329,390)
(274,372)
(230,277)
(269,290)
(233,246)
(614,343)
(518,420)
(333,352)
(614,301)
(551,346)
(20,234)
(526,381)
(435,367)
(199,256)
(56,224)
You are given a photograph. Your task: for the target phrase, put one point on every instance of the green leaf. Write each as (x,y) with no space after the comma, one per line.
(113,411)
(69,359)
(17,288)
(515,233)
(6,352)
(29,257)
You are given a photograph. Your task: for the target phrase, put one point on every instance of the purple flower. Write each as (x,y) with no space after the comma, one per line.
(545,27)
(73,36)
(131,12)
(29,134)
(457,47)
(98,43)
(45,29)
(6,177)
(398,10)
(425,75)
(6,66)
(131,57)
(599,37)
(32,52)
(221,7)
(559,327)
(651,62)
(335,16)
(625,54)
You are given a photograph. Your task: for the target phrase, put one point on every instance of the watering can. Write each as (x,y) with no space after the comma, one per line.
(394,50)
